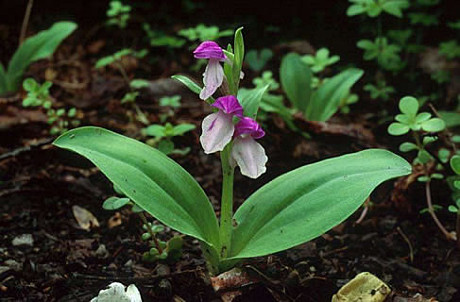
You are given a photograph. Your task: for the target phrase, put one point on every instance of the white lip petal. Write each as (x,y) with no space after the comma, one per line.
(213,77)
(217,132)
(250,156)
(116,293)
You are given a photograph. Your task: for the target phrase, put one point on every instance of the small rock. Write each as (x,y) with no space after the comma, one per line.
(23,240)
(101,252)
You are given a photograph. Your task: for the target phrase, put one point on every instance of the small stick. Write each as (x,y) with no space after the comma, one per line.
(25,22)
(433,214)
(411,250)
(364,212)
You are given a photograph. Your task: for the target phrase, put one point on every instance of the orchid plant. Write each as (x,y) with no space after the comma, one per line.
(289,210)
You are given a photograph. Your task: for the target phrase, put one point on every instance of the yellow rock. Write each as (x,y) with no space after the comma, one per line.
(365,287)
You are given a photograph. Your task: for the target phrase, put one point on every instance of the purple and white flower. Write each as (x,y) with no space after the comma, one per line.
(213,75)
(248,154)
(218,128)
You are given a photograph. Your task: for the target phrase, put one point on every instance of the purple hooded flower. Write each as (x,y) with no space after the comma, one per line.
(248,154)
(218,128)
(213,75)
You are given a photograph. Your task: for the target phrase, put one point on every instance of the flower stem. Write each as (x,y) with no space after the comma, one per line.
(226,207)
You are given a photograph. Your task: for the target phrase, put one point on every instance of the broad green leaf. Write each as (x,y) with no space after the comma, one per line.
(149,178)
(398,129)
(114,203)
(326,100)
(433,125)
(409,105)
(295,77)
(39,46)
(250,100)
(194,87)
(307,202)
(451,118)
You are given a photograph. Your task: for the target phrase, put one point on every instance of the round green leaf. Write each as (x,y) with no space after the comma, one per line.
(398,129)
(433,125)
(406,147)
(409,105)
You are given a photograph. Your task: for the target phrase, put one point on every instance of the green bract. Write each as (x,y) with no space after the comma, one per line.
(39,46)
(288,211)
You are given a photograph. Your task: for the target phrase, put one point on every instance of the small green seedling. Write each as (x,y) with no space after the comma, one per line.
(380,90)
(386,54)
(450,49)
(202,33)
(118,14)
(163,135)
(257,60)
(158,38)
(423,19)
(169,251)
(411,121)
(373,8)
(133,85)
(39,96)
(320,60)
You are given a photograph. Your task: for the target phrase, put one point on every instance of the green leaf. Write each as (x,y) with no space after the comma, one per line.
(406,147)
(155,131)
(39,46)
(183,128)
(238,55)
(326,100)
(307,202)
(451,118)
(194,87)
(139,83)
(453,209)
(433,125)
(250,100)
(150,179)
(409,105)
(398,129)
(114,203)
(295,77)
(3,80)
(455,163)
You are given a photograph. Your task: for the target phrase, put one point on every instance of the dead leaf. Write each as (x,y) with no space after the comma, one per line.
(86,220)
(114,221)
